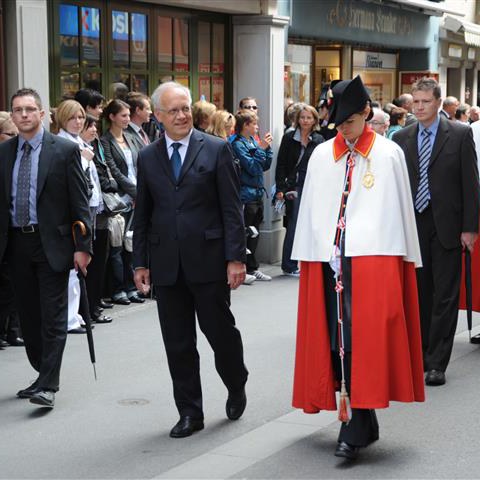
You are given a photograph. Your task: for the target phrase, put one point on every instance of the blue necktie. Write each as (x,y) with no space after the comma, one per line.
(22,202)
(423,194)
(176,160)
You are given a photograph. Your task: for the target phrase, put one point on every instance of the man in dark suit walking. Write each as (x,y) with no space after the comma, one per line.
(189,242)
(443,173)
(43,191)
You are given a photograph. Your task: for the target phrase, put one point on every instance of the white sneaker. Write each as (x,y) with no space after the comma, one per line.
(249,279)
(261,276)
(295,273)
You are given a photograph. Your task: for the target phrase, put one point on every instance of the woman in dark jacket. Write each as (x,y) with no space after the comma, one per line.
(292,162)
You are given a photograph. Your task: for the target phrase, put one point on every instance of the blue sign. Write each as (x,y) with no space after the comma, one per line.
(90,22)
(68,20)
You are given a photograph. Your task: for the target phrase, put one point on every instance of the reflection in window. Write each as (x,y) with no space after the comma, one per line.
(120,38)
(139,40)
(218,42)
(218,92)
(185,81)
(204,88)
(181,44)
(69,84)
(164,47)
(92,80)
(69,36)
(204,48)
(90,37)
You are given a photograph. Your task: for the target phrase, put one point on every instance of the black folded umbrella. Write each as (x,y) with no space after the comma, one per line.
(468,290)
(84,308)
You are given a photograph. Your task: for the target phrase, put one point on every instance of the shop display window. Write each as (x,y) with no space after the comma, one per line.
(297,73)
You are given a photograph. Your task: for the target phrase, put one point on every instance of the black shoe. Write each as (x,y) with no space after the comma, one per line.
(186,426)
(15,342)
(29,391)
(236,404)
(97,310)
(475,339)
(121,301)
(345,450)
(78,330)
(3,343)
(434,378)
(45,398)
(102,319)
(105,304)
(134,298)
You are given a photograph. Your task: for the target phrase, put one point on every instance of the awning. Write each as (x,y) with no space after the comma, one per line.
(471,31)
(427,7)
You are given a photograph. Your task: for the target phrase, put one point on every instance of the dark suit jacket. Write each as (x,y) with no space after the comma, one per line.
(452,178)
(62,198)
(117,162)
(138,142)
(195,222)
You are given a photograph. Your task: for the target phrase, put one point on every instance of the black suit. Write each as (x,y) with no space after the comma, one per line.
(187,231)
(40,261)
(453,209)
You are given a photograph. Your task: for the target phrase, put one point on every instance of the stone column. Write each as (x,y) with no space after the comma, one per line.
(259,57)
(26,47)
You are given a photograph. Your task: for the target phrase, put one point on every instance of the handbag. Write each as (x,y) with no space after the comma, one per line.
(113,203)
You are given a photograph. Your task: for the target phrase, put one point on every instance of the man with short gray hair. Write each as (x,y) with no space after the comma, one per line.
(380,121)
(189,242)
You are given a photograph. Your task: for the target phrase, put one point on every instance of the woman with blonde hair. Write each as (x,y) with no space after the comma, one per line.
(8,129)
(202,112)
(222,124)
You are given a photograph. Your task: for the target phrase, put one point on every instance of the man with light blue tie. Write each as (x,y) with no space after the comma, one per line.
(443,173)
(43,192)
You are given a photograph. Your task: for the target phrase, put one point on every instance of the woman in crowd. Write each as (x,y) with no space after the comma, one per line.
(398,117)
(202,112)
(222,124)
(121,157)
(292,163)
(8,129)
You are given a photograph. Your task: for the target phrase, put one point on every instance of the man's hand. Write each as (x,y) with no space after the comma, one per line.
(236,274)
(142,280)
(81,261)
(468,240)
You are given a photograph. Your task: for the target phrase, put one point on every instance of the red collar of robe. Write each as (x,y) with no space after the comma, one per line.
(363,146)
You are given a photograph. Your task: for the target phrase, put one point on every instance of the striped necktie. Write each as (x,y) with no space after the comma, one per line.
(422,198)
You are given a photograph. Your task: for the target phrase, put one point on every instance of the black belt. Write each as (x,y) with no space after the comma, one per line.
(26,229)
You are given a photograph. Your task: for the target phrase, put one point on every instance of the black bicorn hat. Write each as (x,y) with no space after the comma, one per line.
(349,97)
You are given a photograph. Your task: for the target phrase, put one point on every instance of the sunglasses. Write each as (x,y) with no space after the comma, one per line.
(250,107)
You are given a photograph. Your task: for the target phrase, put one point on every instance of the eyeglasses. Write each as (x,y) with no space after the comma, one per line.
(376,123)
(9,134)
(186,110)
(27,110)
(250,107)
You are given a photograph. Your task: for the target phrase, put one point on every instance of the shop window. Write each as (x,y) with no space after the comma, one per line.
(297,73)
(165,44)
(327,68)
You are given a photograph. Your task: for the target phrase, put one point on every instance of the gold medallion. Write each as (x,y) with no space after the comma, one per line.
(368,180)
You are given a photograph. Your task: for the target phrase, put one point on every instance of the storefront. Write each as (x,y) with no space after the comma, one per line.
(98,43)
(3,103)
(346,38)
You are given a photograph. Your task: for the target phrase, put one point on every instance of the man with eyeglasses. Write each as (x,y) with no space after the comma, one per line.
(43,192)
(189,243)
(380,121)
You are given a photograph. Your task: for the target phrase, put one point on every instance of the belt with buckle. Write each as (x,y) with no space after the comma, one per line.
(26,229)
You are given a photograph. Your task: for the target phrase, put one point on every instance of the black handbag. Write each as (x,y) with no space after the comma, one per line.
(113,203)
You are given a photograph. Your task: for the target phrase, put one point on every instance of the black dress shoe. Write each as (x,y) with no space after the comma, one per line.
(121,301)
(16,342)
(78,330)
(29,391)
(102,319)
(134,298)
(97,310)
(105,304)
(186,426)
(475,339)
(45,398)
(434,378)
(236,404)
(3,343)
(345,450)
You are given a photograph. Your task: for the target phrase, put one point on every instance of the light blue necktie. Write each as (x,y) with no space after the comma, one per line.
(22,202)
(176,160)
(422,198)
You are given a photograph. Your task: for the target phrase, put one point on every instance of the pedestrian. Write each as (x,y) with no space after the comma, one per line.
(443,173)
(380,121)
(44,191)
(292,162)
(358,321)
(189,242)
(398,117)
(140,111)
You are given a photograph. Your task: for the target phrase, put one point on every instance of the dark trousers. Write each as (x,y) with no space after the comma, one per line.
(42,302)
(121,271)
(9,323)
(253,217)
(96,268)
(289,265)
(438,291)
(177,305)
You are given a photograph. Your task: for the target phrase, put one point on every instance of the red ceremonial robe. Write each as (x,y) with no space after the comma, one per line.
(387,362)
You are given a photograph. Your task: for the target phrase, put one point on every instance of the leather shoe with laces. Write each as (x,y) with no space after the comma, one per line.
(345,450)
(236,404)
(434,378)
(105,304)
(134,298)
(44,398)
(29,391)
(102,319)
(186,426)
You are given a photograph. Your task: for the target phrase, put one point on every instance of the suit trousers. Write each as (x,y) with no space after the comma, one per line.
(9,324)
(42,302)
(438,291)
(177,305)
